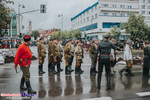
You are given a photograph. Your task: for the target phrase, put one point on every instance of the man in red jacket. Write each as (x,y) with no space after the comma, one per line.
(23,58)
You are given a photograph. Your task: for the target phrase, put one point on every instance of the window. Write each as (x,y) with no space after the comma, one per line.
(96,7)
(92,17)
(143,6)
(105,14)
(148,1)
(148,12)
(143,1)
(83,20)
(122,14)
(114,14)
(87,19)
(95,15)
(92,10)
(109,25)
(114,6)
(128,14)
(142,12)
(148,7)
(129,6)
(105,5)
(122,6)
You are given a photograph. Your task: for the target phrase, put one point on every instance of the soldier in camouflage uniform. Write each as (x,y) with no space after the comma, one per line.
(79,57)
(55,54)
(67,56)
(59,58)
(49,55)
(92,54)
(41,54)
(72,54)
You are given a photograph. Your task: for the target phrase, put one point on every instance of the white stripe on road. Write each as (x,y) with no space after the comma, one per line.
(143,94)
(101,98)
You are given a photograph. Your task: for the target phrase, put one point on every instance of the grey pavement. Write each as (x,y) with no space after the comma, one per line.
(75,87)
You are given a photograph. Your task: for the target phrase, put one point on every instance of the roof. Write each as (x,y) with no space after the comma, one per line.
(84,11)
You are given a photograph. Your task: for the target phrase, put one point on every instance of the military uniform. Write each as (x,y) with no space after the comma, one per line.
(104,48)
(59,58)
(72,56)
(146,65)
(49,56)
(92,54)
(79,57)
(55,54)
(67,55)
(41,54)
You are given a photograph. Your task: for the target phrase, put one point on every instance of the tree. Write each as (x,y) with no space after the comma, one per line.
(136,26)
(35,34)
(76,34)
(4,15)
(115,32)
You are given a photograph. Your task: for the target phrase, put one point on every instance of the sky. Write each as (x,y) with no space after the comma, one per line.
(50,19)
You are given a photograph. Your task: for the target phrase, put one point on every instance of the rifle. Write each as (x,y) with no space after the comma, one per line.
(65,59)
(77,61)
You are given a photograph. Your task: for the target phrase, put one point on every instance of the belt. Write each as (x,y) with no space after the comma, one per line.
(105,54)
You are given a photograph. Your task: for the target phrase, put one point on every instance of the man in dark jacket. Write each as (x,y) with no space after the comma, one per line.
(104,48)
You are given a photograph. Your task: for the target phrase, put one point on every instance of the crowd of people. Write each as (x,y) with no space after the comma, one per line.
(101,52)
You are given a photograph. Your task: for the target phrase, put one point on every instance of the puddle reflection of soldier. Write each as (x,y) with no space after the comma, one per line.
(127,84)
(145,82)
(112,84)
(79,87)
(54,89)
(93,84)
(42,91)
(69,86)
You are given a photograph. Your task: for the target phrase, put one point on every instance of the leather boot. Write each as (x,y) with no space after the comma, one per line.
(76,70)
(67,72)
(95,70)
(99,80)
(58,68)
(53,70)
(42,69)
(108,82)
(49,66)
(130,72)
(92,72)
(22,87)
(30,91)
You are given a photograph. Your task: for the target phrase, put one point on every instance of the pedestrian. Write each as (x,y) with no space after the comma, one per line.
(104,48)
(128,59)
(113,58)
(72,54)
(146,65)
(67,56)
(41,54)
(59,58)
(23,58)
(79,57)
(92,54)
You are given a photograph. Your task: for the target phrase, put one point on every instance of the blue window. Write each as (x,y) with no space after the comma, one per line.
(109,25)
(105,14)
(105,5)
(89,27)
(121,6)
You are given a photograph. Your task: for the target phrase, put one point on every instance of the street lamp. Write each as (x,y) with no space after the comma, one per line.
(61,15)
(19,14)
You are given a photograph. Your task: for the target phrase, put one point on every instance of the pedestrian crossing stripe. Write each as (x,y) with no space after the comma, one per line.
(143,94)
(101,98)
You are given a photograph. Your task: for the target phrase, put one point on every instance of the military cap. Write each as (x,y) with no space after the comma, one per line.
(67,41)
(107,36)
(27,38)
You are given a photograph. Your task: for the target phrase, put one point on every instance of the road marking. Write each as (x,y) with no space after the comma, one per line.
(101,98)
(143,94)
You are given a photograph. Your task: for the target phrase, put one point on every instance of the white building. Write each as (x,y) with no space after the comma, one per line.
(97,19)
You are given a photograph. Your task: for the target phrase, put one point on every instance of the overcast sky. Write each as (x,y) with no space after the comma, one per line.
(50,19)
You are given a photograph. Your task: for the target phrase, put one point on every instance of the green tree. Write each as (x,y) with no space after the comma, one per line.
(136,26)
(4,14)
(35,34)
(115,32)
(76,34)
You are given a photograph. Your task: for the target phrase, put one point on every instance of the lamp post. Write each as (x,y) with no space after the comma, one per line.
(19,14)
(61,15)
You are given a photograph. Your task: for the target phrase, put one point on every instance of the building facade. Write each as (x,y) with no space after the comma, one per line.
(97,19)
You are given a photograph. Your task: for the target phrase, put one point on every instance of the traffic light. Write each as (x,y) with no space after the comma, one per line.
(43,8)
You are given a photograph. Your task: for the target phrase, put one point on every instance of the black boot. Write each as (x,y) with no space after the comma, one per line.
(53,70)
(42,69)
(22,84)
(130,72)
(50,66)
(95,70)
(67,72)
(92,72)
(80,69)
(76,70)
(30,91)
(108,82)
(59,69)
(99,80)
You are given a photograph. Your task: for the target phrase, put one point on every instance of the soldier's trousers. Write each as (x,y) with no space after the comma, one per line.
(79,63)
(92,63)
(42,61)
(127,68)
(26,73)
(71,61)
(58,62)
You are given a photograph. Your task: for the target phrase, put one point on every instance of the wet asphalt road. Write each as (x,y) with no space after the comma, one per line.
(74,87)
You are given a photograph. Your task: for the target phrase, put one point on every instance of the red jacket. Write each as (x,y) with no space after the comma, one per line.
(23,53)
